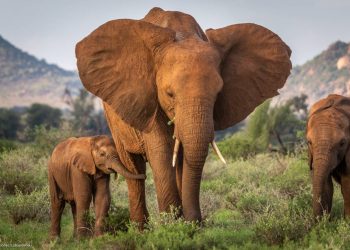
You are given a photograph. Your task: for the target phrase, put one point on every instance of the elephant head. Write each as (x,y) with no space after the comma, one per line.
(99,152)
(202,81)
(328,145)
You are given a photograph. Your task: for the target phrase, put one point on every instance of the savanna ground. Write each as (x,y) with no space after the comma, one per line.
(260,202)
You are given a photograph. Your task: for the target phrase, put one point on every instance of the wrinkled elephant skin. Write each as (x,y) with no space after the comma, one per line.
(164,67)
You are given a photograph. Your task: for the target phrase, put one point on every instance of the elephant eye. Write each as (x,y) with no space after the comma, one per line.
(102,153)
(170,93)
(342,143)
(309,142)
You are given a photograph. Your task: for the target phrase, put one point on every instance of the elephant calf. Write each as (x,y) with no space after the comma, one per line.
(328,135)
(78,171)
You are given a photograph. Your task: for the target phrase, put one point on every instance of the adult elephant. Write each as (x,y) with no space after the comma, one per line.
(164,67)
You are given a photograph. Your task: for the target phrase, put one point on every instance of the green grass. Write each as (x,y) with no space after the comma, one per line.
(262,202)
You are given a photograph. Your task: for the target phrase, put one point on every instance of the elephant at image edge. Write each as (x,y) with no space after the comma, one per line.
(164,67)
(78,171)
(328,134)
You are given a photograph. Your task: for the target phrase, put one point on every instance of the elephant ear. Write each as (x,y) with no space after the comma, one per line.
(341,103)
(322,105)
(116,63)
(310,158)
(255,64)
(82,156)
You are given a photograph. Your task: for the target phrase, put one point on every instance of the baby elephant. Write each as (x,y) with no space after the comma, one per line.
(78,171)
(328,134)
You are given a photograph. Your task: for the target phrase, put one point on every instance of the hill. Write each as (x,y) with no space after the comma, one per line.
(24,79)
(328,72)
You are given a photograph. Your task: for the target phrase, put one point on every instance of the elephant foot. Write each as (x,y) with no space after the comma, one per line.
(98,232)
(83,232)
(193,216)
(54,238)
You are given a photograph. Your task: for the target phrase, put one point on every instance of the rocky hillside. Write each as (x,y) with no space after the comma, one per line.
(24,79)
(327,73)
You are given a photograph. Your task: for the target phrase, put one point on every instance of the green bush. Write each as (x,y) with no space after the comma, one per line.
(262,202)
(45,140)
(117,220)
(252,203)
(280,225)
(19,169)
(6,145)
(295,178)
(33,206)
(168,232)
(329,235)
(238,146)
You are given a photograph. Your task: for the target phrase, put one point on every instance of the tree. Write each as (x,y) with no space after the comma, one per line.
(256,128)
(83,108)
(85,118)
(42,114)
(277,125)
(286,120)
(9,123)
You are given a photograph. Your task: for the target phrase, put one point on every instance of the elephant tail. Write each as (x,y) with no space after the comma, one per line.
(53,187)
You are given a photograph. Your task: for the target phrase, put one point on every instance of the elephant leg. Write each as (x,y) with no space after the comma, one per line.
(83,204)
(164,177)
(136,193)
(74,213)
(82,189)
(345,189)
(159,150)
(57,207)
(102,201)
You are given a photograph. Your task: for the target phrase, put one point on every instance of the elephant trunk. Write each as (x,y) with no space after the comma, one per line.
(322,187)
(195,133)
(118,167)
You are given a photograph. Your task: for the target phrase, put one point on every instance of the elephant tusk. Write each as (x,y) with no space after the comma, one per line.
(217,151)
(176,150)
(171,121)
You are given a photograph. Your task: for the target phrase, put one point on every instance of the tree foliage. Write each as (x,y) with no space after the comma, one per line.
(85,117)
(269,127)
(256,128)
(9,123)
(285,121)
(42,114)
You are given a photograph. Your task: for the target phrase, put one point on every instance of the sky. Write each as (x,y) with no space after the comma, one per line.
(49,29)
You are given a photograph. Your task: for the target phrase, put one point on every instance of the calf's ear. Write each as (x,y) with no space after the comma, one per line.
(82,157)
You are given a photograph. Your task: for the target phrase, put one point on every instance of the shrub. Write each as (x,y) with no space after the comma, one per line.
(283,224)
(33,206)
(45,140)
(168,232)
(117,220)
(6,145)
(252,203)
(238,146)
(210,202)
(19,169)
(295,179)
(329,235)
